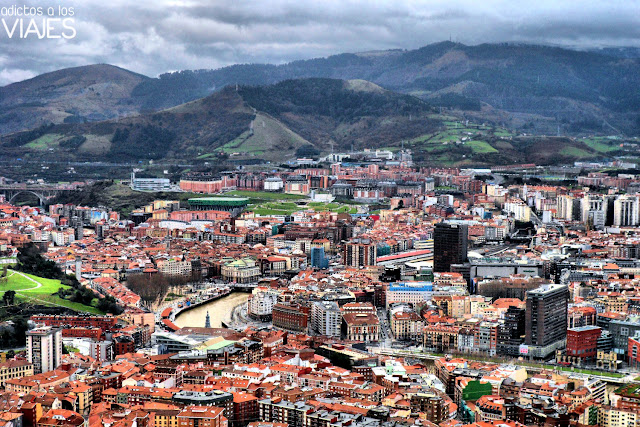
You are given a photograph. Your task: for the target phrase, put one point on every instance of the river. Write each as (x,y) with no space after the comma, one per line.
(219,310)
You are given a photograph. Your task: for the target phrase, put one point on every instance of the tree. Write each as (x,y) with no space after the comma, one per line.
(30,261)
(307,151)
(4,277)
(108,304)
(9,297)
(150,288)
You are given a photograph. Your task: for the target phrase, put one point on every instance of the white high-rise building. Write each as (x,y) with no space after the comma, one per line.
(44,348)
(569,207)
(518,209)
(625,211)
(591,204)
(326,318)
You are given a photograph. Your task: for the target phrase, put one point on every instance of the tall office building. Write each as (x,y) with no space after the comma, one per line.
(318,259)
(511,332)
(546,320)
(626,211)
(359,253)
(44,348)
(449,246)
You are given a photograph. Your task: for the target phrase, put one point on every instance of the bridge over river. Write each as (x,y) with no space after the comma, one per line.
(43,192)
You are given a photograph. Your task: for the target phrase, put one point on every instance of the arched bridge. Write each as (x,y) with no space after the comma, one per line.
(43,192)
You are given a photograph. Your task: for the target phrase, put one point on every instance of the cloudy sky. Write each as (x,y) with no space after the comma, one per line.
(155,36)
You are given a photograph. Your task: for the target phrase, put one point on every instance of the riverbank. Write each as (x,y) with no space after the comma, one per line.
(234,318)
(171,311)
(220,311)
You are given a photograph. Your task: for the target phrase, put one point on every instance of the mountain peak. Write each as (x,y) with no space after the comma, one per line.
(71,95)
(359,85)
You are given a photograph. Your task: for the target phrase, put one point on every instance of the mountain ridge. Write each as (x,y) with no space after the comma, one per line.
(71,95)
(290,114)
(533,88)
(294,118)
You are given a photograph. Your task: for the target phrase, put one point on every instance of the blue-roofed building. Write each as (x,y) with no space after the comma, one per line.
(414,293)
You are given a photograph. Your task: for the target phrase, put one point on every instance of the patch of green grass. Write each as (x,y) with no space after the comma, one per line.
(44,142)
(421,138)
(269,212)
(601,145)
(574,152)
(503,133)
(234,145)
(265,195)
(274,208)
(289,207)
(449,138)
(256,197)
(481,147)
(332,207)
(49,286)
(267,138)
(206,156)
(592,372)
(26,290)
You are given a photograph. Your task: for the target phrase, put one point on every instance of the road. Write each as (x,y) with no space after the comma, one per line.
(385,329)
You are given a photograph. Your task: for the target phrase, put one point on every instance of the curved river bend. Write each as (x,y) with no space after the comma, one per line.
(219,311)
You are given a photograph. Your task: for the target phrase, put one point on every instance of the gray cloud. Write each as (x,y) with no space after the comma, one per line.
(155,36)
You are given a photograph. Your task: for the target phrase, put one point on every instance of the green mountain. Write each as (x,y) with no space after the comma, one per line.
(533,89)
(72,95)
(269,123)
(303,117)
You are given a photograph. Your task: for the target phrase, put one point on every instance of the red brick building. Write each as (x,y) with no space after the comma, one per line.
(123,344)
(582,341)
(93,333)
(294,318)
(106,323)
(245,409)
(633,352)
